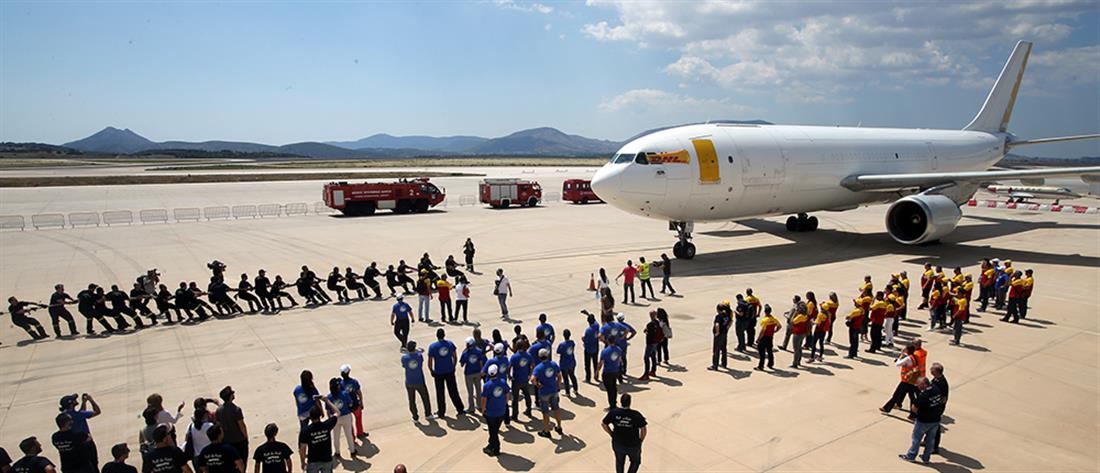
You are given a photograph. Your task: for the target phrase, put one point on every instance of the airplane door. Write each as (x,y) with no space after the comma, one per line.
(935,159)
(708,160)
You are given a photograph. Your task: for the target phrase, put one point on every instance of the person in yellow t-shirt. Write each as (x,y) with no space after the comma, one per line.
(878,318)
(854,321)
(821,322)
(986,279)
(957,277)
(829,308)
(865,301)
(867,285)
(769,325)
(811,312)
(962,307)
(1029,283)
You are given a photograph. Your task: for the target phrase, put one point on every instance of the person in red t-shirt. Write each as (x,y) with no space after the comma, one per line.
(627,275)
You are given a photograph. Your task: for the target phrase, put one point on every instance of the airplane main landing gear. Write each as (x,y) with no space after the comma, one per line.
(683,249)
(801,223)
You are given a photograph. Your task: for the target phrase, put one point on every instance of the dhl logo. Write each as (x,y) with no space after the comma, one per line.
(670,157)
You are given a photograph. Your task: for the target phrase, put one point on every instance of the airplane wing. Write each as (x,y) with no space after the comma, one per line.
(889,182)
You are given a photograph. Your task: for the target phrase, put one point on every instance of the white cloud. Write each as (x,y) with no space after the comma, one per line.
(659,100)
(1068,66)
(525,6)
(827,51)
(548,27)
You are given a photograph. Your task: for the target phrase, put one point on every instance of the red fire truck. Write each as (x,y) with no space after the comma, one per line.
(578,191)
(403,196)
(500,193)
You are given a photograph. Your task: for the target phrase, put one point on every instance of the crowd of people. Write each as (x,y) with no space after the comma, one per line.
(498,374)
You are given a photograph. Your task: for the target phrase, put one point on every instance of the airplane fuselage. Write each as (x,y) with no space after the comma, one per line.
(713,172)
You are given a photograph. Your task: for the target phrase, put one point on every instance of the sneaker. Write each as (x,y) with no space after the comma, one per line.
(906,458)
(712,368)
(487,451)
(416,419)
(560,432)
(544,434)
(431,417)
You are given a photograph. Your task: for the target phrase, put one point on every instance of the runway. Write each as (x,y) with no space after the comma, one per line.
(1023,397)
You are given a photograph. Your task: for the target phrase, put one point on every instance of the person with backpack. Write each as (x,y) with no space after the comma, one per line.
(462,298)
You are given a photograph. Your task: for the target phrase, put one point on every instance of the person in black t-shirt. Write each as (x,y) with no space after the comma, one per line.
(219,457)
(627,428)
(120,452)
(31,462)
(929,405)
(166,457)
(722,321)
(20,317)
(940,382)
(71,447)
(231,418)
(58,311)
(315,441)
(5,461)
(273,456)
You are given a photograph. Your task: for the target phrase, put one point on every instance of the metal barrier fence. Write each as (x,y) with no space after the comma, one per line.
(84,219)
(11,222)
(198,214)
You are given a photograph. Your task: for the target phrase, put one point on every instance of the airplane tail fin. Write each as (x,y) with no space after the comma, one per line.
(997,109)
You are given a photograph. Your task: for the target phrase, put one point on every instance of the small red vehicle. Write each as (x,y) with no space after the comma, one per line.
(578,191)
(403,196)
(501,193)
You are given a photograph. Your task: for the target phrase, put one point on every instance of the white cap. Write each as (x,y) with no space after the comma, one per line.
(493,370)
(544,353)
(620,316)
(400,297)
(345,368)
(499,348)
(469,341)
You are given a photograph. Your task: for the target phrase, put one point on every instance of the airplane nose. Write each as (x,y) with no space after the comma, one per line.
(605,183)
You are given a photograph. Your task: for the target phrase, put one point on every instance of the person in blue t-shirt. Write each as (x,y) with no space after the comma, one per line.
(354,391)
(568,363)
(413,363)
(591,341)
(401,319)
(520,366)
(540,343)
(499,359)
(610,367)
(624,334)
(442,359)
(494,406)
(546,328)
(547,378)
(472,361)
(305,397)
(80,421)
(340,407)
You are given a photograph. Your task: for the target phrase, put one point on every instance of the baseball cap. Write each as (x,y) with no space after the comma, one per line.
(498,348)
(544,353)
(620,316)
(68,399)
(469,341)
(345,368)
(400,297)
(493,370)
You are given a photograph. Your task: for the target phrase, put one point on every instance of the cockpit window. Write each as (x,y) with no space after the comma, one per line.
(640,158)
(623,158)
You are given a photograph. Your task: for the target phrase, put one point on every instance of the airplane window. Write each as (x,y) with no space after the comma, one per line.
(624,158)
(641,159)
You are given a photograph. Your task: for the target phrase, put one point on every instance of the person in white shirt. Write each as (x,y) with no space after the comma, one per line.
(462,297)
(502,289)
(196,433)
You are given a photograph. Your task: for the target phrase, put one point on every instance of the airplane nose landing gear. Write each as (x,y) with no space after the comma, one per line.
(683,249)
(801,223)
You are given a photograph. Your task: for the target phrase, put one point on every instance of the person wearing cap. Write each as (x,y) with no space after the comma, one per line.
(765,339)
(567,360)
(120,452)
(472,361)
(71,447)
(627,428)
(231,418)
(547,329)
(80,420)
(31,461)
(494,407)
(305,397)
(315,441)
(1000,285)
(499,359)
(218,456)
(590,341)
(413,363)
(354,393)
(609,368)
(401,319)
(547,380)
(166,457)
(442,360)
(338,407)
(273,456)
(520,366)
(720,332)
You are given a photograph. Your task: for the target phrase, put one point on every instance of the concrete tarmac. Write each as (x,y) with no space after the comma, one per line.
(1024,397)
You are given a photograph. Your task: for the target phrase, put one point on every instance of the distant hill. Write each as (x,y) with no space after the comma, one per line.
(444,144)
(545,141)
(112,140)
(1020,160)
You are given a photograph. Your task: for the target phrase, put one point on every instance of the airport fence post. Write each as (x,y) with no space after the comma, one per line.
(220,212)
(51,220)
(193,214)
(153,216)
(269,210)
(118,217)
(83,219)
(244,211)
(11,222)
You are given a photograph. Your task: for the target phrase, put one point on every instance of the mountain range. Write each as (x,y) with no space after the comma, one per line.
(543,141)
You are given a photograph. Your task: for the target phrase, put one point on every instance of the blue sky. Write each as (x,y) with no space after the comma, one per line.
(282,72)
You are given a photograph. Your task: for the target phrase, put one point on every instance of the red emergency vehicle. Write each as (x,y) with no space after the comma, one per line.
(578,191)
(501,193)
(403,196)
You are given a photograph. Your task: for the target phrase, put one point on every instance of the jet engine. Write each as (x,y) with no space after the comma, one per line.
(921,218)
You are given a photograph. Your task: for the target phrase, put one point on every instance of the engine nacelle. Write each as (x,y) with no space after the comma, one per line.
(921,218)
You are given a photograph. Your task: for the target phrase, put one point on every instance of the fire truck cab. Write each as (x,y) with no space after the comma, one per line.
(578,191)
(403,196)
(501,193)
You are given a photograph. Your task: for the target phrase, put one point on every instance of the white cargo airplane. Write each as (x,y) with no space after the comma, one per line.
(1025,193)
(715,172)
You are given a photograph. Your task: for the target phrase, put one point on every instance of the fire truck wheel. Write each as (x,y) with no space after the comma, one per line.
(584,201)
(505,203)
(532,202)
(421,206)
(403,206)
(367,208)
